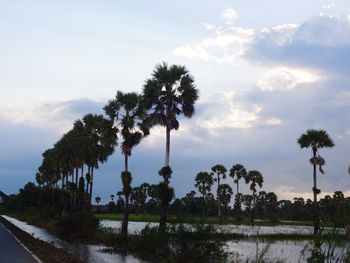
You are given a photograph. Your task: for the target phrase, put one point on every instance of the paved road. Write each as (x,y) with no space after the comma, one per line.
(11,251)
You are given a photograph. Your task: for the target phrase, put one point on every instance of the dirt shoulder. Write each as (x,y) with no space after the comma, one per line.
(46,252)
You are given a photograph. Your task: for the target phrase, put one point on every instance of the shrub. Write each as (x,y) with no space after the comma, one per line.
(80,224)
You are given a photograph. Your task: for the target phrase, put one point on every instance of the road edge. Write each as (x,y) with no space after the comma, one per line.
(20,242)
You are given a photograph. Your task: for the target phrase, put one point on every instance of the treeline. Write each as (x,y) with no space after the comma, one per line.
(144,200)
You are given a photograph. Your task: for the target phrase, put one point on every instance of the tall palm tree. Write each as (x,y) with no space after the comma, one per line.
(169,93)
(255,179)
(204,182)
(315,139)
(127,113)
(237,172)
(220,171)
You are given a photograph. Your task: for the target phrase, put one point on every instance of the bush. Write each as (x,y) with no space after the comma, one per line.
(80,224)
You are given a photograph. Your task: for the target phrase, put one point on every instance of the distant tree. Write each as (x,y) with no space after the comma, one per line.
(225,192)
(98,200)
(271,205)
(255,179)
(315,139)
(248,202)
(188,201)
(237,172)
(220,171)
(204,182)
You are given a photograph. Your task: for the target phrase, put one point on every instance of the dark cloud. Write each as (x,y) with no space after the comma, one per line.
(320,43)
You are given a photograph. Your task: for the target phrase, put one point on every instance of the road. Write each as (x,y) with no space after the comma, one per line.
(11,251)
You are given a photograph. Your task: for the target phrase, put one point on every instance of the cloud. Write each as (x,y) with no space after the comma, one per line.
(226,46)
(54,116)
(286,78)
(229,15)
(321,43)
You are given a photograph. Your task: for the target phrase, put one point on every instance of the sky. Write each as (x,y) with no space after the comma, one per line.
(266,71)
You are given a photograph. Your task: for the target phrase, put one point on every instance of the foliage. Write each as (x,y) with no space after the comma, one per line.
(79,224)
(327,249)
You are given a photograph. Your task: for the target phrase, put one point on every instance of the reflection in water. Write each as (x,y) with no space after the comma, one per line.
(287,251)
(243,249)
(88,253)
(136,227)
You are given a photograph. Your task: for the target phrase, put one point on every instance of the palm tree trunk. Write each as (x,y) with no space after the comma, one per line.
(238,204)
(218,196)
(126,216)
(76,188)
(315,204)
(91,184)
(88,182)
(253,209)
(163,217)
(126,162)
(167,147)
(316,208)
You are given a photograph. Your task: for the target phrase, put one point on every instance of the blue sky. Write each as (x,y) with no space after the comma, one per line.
(267,70)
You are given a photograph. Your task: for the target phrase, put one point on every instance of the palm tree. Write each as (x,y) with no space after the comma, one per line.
(315,139)
(126,112)
(255,179)
(225,193)
(98,139)
(98,200)
(204,182)
(237,172)
(169,93)
(220,171)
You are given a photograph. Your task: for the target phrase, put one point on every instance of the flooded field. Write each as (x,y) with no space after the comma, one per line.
(88,253)
(240,250)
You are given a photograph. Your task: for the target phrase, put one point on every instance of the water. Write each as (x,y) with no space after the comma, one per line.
(136,227)
(88,253)
(286,250)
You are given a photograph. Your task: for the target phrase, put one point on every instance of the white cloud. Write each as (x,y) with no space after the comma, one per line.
(279,35)
(274,121)
(229,15)
(223,111)
(55,116)
(226,46)
(286,78)
(328,6)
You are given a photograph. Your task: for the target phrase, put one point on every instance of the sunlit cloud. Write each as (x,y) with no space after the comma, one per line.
(286,78)
(227,46)
(58,117)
